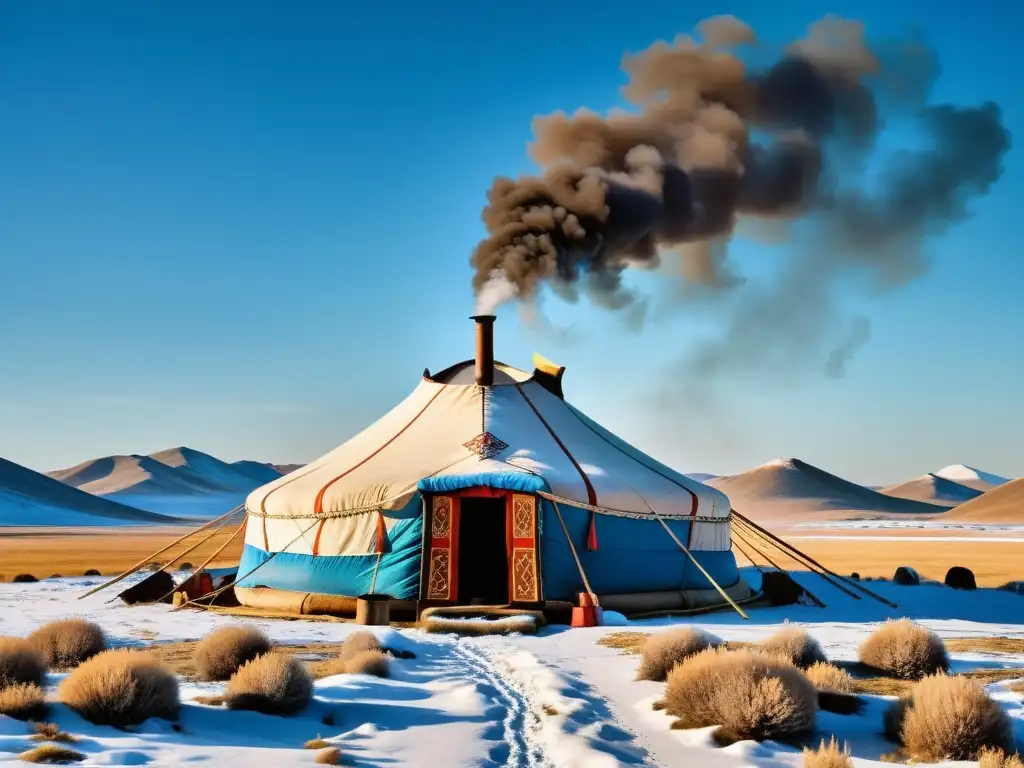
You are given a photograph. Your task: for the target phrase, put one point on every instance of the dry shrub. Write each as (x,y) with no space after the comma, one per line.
(121,687)
(828,756)
(222,652)
(369,663)
(24,701)
(996,758)
(92,572)
(68,642)
(330,756)
(750,694)
(661,652)
(829,677)
(20,663)
(24,578)
(52,732)
(273,684)
(905,650)
(796,645)
(951,718)
(357,643)
(316,743)
(52,754)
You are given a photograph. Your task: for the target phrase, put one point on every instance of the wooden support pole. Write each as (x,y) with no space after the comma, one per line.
(798,558)
(775,565)
(205,563)
(700,567)
(791,548)
(159,552)
(572,548)
(251,572)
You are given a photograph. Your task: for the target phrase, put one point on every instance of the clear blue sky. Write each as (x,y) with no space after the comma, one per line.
(245,227)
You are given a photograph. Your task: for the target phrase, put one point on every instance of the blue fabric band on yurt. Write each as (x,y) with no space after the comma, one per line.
(635,556)
(503,481)
(398,576)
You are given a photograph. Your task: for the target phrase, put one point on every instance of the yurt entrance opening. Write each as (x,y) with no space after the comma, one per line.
(483,552)
(481,549)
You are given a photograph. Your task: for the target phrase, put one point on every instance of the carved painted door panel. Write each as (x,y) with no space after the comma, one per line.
(524,581)
(442,581)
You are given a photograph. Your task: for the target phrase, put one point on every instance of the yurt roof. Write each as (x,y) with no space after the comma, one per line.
(516,434)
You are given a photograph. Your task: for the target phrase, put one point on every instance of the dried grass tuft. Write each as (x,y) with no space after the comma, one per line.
(828,756)
(121,687)
(52,755)
(23,701)
(997,758)
(273,684)
(796,645)
(359,642)
(221,653)
(951,718)
(52,732)
(829,677)
(664,650)
(369,663)
(316,743)
(67,643)
(20,663)
(330,756)
(905,650)
(750,694)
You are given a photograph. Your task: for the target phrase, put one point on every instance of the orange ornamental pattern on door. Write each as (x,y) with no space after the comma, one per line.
(524,586)
(442,583)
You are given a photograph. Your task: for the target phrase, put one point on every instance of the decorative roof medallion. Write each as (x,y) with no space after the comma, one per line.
(486,446)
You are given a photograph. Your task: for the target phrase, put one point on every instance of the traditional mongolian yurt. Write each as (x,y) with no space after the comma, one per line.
(484,486)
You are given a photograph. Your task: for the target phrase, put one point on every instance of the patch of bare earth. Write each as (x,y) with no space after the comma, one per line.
(318,658)
(986,645)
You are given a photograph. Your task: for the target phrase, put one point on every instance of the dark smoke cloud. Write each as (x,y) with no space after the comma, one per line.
(713,142)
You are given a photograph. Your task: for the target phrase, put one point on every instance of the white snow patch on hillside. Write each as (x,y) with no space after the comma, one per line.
(960,472)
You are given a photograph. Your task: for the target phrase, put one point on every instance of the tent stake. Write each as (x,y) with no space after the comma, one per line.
(159,552)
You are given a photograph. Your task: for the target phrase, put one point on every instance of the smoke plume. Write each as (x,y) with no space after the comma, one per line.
(713,141)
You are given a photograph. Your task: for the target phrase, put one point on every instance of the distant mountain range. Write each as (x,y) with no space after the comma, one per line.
(791,488)
(31,498)
(180,481)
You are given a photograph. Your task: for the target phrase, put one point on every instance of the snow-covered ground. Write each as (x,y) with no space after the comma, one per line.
(555,699)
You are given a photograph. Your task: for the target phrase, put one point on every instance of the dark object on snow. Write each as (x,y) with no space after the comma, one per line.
(56,576)
(780,589)
(906,576)
(855,576)
(959,577)
(150,590)
(186,566)
(1017,587)
(840,703)
(92,572)
(24,578)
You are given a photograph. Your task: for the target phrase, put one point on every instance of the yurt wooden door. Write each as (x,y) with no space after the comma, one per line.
(480,545)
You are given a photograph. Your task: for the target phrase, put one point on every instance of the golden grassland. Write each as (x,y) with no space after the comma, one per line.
(993,562)
(71,552)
